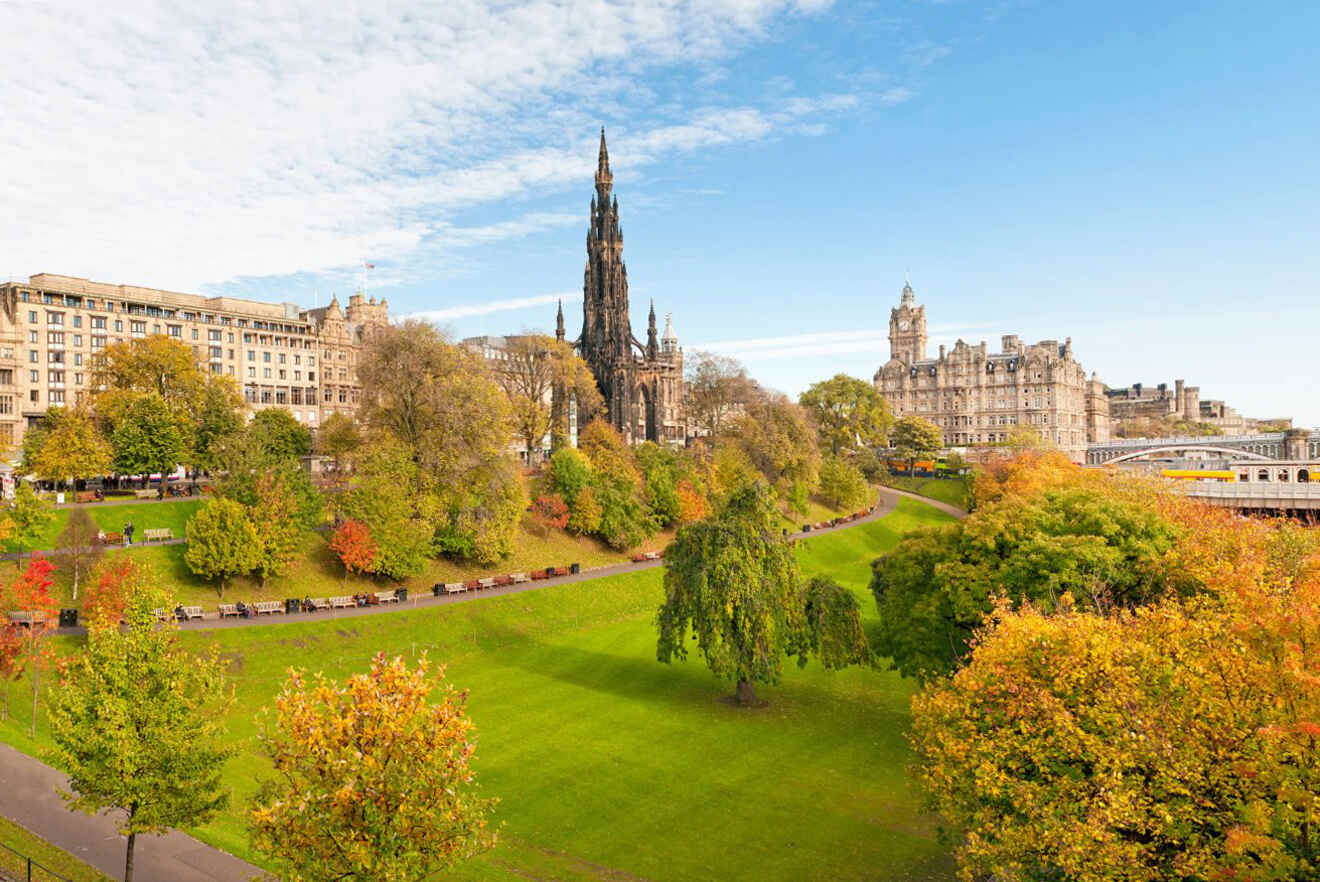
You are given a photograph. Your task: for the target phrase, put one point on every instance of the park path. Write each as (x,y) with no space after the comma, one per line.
(29,788)
(29,797)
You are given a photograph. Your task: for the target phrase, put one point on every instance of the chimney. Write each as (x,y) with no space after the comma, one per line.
(1010,342)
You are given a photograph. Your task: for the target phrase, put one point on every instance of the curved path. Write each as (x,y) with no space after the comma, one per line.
(29,788)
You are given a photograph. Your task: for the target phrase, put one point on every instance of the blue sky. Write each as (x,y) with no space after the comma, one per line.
(1142,177)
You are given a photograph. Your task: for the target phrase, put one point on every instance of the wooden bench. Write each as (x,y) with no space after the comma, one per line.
(519,577)
(85,496)
(485,583)
(162,614)
(503,580)
(472,584)
(157,534)
(453,587)
(228,609)
(651,555)
(145,494)
(638,557)
(27,617)
(192,612)
(540,574)
(268,607)
(319,603)
(561,571)
(386,596)
(344,600)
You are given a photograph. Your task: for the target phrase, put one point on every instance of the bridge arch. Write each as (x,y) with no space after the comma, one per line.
(1174,448)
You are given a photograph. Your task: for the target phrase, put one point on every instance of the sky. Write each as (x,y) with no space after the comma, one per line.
(1141,177)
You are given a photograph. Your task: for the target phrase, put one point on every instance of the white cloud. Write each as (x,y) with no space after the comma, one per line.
(181,146)
(467,310)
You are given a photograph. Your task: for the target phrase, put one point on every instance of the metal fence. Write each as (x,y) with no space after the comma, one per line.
(19,867)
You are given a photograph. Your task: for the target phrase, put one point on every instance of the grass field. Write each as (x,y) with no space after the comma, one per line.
(29,845)
(111,518)
(950,490)
(610,765)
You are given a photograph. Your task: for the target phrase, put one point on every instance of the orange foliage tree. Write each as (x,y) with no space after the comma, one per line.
(29,594)
(692,505)
(373,779)
(353,545)
(108,596)
(551,510)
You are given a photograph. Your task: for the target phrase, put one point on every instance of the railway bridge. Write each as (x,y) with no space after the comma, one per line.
(1293,444)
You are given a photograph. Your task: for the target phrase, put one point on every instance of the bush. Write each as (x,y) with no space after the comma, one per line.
(569,474)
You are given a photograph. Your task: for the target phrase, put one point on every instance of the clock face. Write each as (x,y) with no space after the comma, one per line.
(904,325)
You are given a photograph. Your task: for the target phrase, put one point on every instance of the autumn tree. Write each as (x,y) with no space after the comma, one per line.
(67,446)
(28,516)
(351,542)
(278,435)
(551,510)
(29,594)
(138,725)
(842,484)
(12,658)
(409,809)
(776,438)
(114,581)
(539,373)
(716,390)
(849,413)
(338,438)
(219,418)
(147,438)
(400,520)
(247,462)
(915,438)
(732,581)
(275,520)
(79,546)
(222,542)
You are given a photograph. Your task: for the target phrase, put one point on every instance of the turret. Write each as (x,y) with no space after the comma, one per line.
(669,342)
(559,323)
(652,337)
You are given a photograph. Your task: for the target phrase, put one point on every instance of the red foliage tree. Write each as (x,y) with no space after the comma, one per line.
(12,659)
(353,545)
(30,594)
(108,596)
(551,510)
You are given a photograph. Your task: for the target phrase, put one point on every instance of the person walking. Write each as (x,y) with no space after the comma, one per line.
(128,532)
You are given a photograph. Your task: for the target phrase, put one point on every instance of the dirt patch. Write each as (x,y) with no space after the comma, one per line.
(233,661)
(349,634)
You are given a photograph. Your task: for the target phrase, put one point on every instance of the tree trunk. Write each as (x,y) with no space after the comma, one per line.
(36,672)
(128,859)
(746,693)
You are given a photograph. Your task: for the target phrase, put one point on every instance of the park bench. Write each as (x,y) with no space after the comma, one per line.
(161,613)
(145,494)
(638,557)
(561,571)
(157,534)
(520,577)
(268,607)
(453,587)
(387,596)
(486,583)
(472,584)
(85,496)
(651,555)
(228,609)
(504,580)
(319,603)
(27,616)
(540,574)
(111,538)
(192,612)
(342,601)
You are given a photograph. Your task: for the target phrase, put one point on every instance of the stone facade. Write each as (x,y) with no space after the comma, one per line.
(52,328)
(1183,402)
(976,397)
(495,351)
(642,384)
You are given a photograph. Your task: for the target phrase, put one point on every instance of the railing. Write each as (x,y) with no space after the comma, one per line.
(18,866)
(1269,493)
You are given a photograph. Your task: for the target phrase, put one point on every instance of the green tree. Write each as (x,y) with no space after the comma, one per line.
(138,725)
(570,473)
(383,498)
(222,542)
(536,370)
(67,446)
(78,545)
(338,438)
(409,809)
(916,438)
(833,625)
(733,581)
(278,528)
(842,484)
(147,439)
(219,419)
(777,439)
(28,514)
(278,435)
(938,585)
(245,462)
(850,414)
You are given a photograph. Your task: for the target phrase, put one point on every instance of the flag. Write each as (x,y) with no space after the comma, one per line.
(370,266)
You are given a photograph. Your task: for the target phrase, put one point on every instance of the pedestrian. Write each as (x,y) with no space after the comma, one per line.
(128,532)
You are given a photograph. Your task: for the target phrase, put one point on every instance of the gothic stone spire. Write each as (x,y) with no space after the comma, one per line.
(604,180)
(559,323)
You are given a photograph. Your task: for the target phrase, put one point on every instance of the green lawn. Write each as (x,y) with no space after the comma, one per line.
(42,853)
(950,490)
(610,765)
(111,518)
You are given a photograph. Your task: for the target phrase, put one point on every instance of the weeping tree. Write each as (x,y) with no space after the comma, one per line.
(732,582)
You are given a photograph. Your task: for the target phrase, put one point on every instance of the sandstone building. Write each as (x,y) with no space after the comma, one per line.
(642,384)
(1184,403)
(52,327)
(976,396)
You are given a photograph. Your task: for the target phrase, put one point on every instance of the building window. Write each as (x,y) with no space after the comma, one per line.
(32,356)
(6,404)
(34,337)
(213,336)
(194,333)
(32,317)
(56,396)
(34,396)
(252,372)
(265,356)
(265,372)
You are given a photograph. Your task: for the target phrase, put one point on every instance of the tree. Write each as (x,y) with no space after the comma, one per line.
(106,603)
(219,419)
(939,583)
(400,520)
(147,438)
(29,514)
(551,510)
(915,438)
(733,581)
(12,658)
(587,512)
(338,438)
(138,724)
(246,463)
(842,484)
(353,545)
(79,546)
(410,807)
(716,390)
(278,435)
(833,625)
(570,473)
(222,542)
(779,442)
(275,518)
(68,446)
(30,593)
(849,413)
(538,373)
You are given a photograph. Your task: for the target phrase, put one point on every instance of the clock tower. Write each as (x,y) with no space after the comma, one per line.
(907,329)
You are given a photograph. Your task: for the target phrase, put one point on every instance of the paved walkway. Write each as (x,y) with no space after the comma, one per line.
(28,787)
(29,797)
